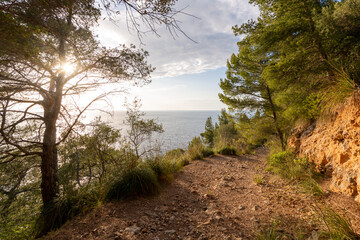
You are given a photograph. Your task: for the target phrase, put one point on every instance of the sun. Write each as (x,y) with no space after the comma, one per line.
(68,67)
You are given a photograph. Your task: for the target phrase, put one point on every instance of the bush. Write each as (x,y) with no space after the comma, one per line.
(197,150)
(66,207)
(227,151)
(207,152)
(290,167)
(339,225)
(139,181)
(165,167)
(270,233)
(174,154)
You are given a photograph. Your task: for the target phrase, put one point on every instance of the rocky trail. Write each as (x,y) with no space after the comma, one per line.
(220,197)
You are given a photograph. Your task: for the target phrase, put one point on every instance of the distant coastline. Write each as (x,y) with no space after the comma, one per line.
(180,126)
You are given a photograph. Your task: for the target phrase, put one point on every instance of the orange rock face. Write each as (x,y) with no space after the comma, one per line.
(334,146)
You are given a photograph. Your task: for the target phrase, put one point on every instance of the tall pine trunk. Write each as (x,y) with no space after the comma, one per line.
(49,158)
(278,130)
(49,163)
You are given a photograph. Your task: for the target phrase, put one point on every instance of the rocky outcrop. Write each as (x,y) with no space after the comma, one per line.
(333,144)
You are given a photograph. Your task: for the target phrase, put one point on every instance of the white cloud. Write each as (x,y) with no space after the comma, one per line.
(212,31)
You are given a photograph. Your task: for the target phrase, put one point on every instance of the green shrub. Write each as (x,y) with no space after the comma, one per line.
(258,179)
(174,154)
(270,233)
(177,157)
(293,231)
(207,152)
(184,161)
(339,225)
(289,166)
(227,151)
(197,150)
(139,181)
(165,168)
(66,207)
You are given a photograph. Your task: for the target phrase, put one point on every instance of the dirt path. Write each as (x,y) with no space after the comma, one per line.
(215,198)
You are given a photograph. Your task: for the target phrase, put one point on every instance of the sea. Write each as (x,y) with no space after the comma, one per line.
(179,126)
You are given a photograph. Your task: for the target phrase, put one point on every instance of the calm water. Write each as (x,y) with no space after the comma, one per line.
(179,126)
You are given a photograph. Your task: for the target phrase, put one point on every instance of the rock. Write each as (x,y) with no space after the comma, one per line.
(241,207)
(209,196)
(228,178)
(170,231)
(333,145)
(132,229)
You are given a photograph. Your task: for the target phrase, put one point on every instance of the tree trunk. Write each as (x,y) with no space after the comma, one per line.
(279,132)
(49,160)
(49,165)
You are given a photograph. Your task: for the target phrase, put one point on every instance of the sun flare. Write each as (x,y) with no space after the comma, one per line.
(68,67)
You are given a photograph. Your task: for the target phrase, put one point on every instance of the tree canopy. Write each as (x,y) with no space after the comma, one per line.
(293,60)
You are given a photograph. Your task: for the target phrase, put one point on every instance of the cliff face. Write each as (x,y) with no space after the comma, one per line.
(334,146)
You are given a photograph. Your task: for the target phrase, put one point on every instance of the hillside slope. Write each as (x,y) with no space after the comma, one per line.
(214,198)
(333,145)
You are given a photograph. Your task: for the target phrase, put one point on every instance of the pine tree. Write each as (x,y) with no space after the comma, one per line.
(244,88)
(208,135)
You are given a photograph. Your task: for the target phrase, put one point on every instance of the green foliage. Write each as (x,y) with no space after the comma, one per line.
(296,60)
(68,206)
(255,130)
(197,150)
(92,156)
(270,233)
(259,179)
(174,154)
(287,165)
(208,135)
(207,152)
(19,221)
(336,93)
(19,197)
(140,129)
(165,167)
(139,181)
(338,24)
(227,151)
(295,169)
(339,226)
(179,156)
(246,89)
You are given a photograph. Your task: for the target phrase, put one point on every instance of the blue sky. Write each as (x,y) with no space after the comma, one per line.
(187,73)
(184,92)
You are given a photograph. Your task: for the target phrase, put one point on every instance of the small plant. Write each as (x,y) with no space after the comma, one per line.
(270,233)
(66,207)
(293,231)
(165,167)
(339,226)
(299,170)
(197,150)
(227,151)
(207,152)
(139,181)
(259,180)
